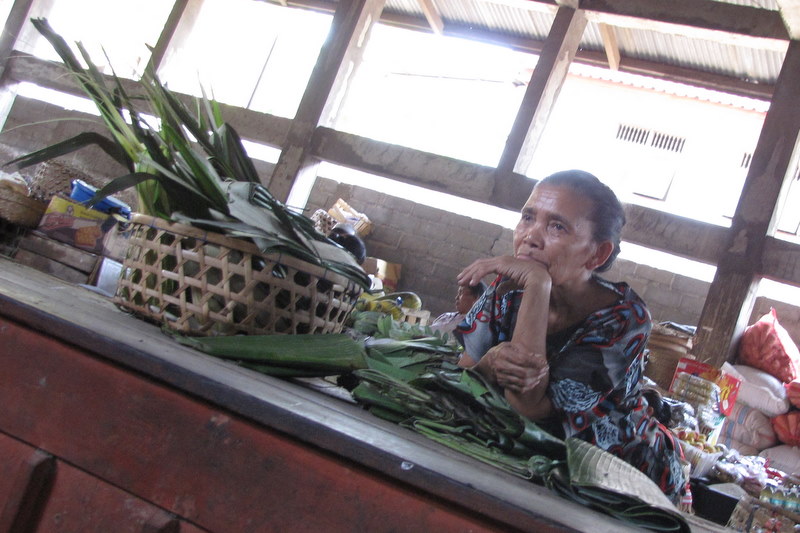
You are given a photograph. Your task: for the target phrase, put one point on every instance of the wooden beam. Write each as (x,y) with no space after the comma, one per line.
(16,19)
(731,296)
(707,19)
(688,76)
(424,169)
(691,76)
(511,187)
(351,22)
(684,237)
(169,30)
(432,15)
(609,36)
(790,12)
(251,125)
(700,19)
(781,261)
(546,80)
(717,82)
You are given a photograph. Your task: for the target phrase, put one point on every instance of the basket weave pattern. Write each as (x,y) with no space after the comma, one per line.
(665,350)
(55,177)
(20,209)
(203,283)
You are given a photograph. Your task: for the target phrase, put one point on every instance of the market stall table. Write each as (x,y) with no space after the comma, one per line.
(108,424)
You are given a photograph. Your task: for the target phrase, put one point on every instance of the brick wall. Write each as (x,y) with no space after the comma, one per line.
(432,245)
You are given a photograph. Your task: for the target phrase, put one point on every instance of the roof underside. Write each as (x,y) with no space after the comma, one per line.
(734,45)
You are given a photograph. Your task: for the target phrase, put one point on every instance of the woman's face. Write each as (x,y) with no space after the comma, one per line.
(464,300)
(554,229)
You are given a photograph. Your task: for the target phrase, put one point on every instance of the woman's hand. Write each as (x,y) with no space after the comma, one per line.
(523,375)
(514,368)
(521,271)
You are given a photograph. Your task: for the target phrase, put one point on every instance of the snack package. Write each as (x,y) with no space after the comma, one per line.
(709,390)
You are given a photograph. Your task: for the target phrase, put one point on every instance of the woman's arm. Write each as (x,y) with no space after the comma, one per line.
(520,366)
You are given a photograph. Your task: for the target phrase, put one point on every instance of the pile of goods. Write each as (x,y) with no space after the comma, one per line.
(748,439)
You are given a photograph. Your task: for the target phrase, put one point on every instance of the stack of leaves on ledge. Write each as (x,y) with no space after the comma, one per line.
(187,166)
(407,374)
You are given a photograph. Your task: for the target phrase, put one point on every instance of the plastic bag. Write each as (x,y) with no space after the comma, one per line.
(766,345)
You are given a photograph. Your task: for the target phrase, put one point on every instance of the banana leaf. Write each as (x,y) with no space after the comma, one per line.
(426,393)
(611,485)
(535,467)
(332,353)
(290,371)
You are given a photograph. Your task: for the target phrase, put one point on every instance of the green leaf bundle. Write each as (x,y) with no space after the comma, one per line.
(187,165)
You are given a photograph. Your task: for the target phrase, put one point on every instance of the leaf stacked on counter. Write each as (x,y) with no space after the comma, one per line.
(406,375)
(285,355)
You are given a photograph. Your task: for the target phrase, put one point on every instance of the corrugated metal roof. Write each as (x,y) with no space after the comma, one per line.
(743,62)
(514,19)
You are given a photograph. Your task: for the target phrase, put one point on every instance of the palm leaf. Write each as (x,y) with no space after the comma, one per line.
(187,182)
(70,145)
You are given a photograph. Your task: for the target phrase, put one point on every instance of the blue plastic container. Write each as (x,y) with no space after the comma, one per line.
(83,192)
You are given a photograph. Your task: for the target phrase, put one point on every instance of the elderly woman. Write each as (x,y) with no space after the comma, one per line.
(566,346)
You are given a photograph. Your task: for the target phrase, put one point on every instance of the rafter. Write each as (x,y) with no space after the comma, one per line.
(432,15)
(790,13)
(699,19)
(609,35)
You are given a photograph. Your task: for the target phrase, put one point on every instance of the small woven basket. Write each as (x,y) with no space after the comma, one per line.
(202,283)
(666,347)
(52,178)
(19,209)
(55,178)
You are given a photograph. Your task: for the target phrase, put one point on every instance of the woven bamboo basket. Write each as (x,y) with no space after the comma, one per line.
(55,178)
(666,347)
(202,283)
(19,209)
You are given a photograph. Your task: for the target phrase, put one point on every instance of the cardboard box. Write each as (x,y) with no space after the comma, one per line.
(388,273)
(342,212)
(72,223)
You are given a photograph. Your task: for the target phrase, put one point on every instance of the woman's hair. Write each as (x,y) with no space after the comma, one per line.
(661,409)
(477,290)
(607,217)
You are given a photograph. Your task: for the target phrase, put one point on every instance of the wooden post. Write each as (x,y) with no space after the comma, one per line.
(731,296)
(179,8)
(511,189)
(17,18)
(348,35)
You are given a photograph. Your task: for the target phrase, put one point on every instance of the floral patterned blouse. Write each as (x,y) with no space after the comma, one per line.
(595,379)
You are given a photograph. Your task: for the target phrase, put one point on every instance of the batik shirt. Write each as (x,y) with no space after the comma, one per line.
(595,379)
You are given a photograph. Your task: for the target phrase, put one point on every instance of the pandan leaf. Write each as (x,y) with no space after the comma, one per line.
(70,145)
